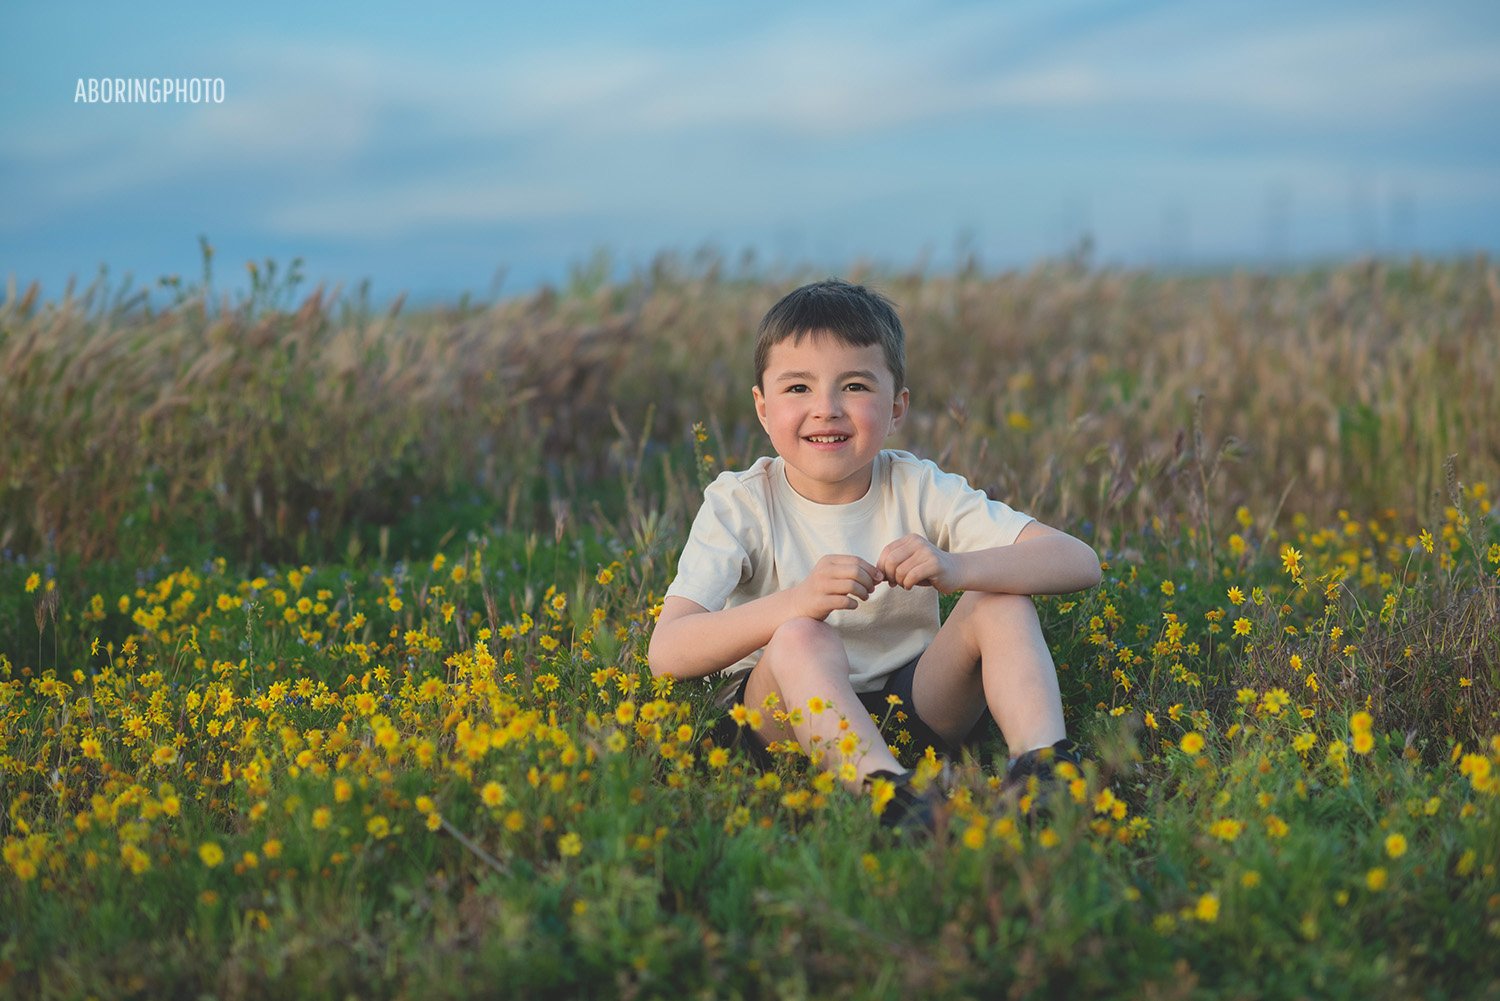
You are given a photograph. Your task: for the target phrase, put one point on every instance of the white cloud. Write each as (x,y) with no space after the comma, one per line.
(322,120)
(1365,69)
(392,209)
(594,115)
(300,109)
(605,126)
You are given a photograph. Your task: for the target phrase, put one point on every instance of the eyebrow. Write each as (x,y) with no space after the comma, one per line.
(859,373)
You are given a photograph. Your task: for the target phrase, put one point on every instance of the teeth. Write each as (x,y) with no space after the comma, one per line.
(826,439)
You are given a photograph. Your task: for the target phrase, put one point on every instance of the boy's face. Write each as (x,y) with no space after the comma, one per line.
(828,408)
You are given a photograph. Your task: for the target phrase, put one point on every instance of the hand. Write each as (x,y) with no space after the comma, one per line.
(836,582)
(912,561)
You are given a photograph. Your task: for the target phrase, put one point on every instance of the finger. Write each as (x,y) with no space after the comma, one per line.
(906,549)
(851,566)
(915,571)
(896,551)
(890,560)
(899,572)
(863,574)
(838,585)
(911,542)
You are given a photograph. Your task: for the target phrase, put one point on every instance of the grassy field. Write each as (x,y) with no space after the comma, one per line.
(322,636)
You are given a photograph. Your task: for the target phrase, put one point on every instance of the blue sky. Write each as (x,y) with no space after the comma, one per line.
(430,147)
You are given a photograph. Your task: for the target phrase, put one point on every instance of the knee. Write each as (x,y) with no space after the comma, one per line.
(801,637)
(1005,612)
(805,646)
(1007,604)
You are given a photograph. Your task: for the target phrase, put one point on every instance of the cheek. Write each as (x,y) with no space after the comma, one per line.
(781,412)
(876,412)
(773,419)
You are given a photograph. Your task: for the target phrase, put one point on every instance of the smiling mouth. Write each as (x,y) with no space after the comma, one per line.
(827,439)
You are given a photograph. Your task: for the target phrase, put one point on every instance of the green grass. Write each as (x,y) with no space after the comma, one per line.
(427,782)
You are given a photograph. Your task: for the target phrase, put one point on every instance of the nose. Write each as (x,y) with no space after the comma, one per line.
(828,404)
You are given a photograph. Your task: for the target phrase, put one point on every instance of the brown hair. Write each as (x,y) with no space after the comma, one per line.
(850,313)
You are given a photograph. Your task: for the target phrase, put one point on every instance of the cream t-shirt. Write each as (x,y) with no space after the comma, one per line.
(755,535)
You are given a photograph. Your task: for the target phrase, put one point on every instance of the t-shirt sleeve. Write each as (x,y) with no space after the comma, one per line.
(716,558)
(967,519)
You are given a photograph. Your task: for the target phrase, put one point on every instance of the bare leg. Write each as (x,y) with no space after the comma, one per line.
(991,652)
(806,659)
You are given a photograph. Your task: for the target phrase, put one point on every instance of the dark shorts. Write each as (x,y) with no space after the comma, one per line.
(904,730)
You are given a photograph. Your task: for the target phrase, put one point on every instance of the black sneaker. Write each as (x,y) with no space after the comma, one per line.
(1040,764)
(908,810)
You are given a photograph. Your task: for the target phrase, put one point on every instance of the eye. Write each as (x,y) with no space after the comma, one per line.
(860,386)
(796,388)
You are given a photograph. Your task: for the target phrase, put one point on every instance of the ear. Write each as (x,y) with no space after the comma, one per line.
(899,408)
(760,406)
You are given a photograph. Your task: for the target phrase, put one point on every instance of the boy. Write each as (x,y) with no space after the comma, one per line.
(814,576)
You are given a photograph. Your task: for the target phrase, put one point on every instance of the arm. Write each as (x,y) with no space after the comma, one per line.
(690,642)
(1042,560)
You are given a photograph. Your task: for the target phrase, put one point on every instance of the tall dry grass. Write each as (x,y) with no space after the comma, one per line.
(1075,390)
(1071,391)
(260,427)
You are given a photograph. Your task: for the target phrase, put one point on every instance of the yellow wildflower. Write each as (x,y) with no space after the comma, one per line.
(1226,829)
